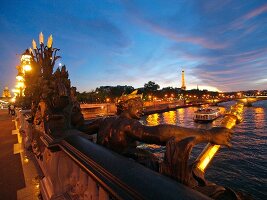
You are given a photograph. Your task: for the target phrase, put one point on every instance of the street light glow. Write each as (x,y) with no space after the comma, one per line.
(20,85)
(19,78)
(27,68)
(15,91)
(25,58)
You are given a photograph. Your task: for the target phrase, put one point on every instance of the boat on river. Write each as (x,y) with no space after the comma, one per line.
(206,114)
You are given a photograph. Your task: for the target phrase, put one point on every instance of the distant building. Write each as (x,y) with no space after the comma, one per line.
(6,93)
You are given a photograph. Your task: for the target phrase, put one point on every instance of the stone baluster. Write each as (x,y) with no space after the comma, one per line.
(92,190)
(65,168)
(103,195)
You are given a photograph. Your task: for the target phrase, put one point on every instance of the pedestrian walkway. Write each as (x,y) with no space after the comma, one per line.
(11,172)
(18,174)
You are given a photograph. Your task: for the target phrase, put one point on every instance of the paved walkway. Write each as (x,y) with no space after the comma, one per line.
(11,172)
(18,173)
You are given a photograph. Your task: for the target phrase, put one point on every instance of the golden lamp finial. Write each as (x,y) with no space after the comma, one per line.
(41,38)
(50,41)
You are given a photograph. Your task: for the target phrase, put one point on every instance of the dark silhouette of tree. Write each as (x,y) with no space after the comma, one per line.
(151,86)
(102,93)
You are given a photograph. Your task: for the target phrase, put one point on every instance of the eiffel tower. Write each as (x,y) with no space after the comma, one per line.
(183,81)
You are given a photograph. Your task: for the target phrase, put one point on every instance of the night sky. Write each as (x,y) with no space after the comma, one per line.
(221,44)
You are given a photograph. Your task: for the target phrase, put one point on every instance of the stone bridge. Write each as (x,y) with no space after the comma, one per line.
(248,100)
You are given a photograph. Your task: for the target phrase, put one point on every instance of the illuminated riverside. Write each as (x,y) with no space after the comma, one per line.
(243,167)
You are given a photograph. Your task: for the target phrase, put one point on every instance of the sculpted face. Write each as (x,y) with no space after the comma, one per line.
(135,109)
(133,106)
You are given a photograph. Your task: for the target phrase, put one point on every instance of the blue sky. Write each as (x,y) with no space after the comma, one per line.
(221,44)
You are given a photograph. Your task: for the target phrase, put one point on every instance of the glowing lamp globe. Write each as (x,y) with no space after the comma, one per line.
(27,68)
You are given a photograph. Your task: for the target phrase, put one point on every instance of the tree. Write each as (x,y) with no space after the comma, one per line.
(151,86)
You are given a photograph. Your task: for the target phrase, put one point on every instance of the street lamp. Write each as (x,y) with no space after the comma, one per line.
(23,68)
(26,61)
(20,86)
(20,80)
(20,76)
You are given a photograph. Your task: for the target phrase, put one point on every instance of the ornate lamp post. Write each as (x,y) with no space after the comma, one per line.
(26,59)
(23,69)
(20,81)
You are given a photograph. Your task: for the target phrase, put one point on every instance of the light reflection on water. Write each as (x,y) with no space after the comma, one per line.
(152,120)
(244,166)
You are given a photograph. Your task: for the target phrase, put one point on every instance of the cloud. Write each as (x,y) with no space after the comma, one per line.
(101,30)
(225,70)
(256,12)
(178,37)
(245,21)
(261,81)
(211,6)
(165,27)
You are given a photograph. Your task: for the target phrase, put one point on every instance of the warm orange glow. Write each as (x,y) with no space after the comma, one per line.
(27,68)
(170,117)
(50,41)
(19,77)
(15,90)
(205,158)
(259,117)
(25,58)
(229,121)
(202,87)
(26,160)
(20,85)
(34,46)
(41,38)
(153,120)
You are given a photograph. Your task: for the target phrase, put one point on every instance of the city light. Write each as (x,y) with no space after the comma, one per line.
(23,69)
(27,68)
(19,77)
(20,84)
(206,158)
(231,118)
(15,91)
(25,58)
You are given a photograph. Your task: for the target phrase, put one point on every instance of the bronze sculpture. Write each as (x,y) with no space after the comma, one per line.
(121,133)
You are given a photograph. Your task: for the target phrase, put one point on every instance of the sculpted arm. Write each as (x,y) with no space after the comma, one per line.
(160,134)
(91,127)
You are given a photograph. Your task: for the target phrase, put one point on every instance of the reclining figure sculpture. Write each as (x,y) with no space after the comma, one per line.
(121,133)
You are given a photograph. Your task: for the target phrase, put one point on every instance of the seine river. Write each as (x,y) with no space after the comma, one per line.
(242,167)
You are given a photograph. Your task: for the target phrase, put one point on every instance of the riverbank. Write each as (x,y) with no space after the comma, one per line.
(166,108)
(93,111)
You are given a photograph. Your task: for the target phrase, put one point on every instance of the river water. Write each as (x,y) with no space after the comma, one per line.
(242,167)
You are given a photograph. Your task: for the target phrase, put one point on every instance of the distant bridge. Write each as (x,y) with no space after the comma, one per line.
(248,100)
